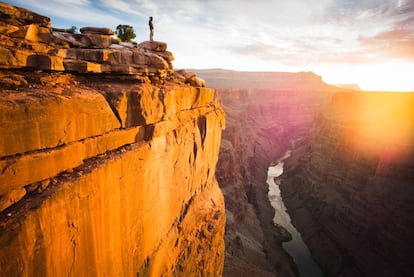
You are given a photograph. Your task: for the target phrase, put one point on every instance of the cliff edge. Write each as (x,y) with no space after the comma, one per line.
(107,157)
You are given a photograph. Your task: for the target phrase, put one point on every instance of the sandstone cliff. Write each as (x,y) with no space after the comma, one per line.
(107,157)
(261,123)
(349,186)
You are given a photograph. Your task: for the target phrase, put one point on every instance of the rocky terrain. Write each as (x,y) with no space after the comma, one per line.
(349,185)
(264,113)
(107,156)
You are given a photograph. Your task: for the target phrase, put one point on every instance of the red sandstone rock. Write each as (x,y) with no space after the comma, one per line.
(92,40)
(157,46)
(20,16)
(25,43)
(104,174)
(97,30)
(172,123)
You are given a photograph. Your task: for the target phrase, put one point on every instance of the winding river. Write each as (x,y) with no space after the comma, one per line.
(296,247)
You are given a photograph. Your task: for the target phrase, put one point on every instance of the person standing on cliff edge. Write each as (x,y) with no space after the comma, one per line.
(151,26)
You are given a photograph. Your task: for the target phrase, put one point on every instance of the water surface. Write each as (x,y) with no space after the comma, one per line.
(296,247)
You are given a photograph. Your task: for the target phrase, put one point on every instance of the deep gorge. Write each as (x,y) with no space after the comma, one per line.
(261,123)
(347,185)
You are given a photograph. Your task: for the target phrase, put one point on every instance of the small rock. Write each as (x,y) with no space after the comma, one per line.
(44,184)
(179,77)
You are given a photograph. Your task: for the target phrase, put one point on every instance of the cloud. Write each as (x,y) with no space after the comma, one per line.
(357,32)
(138,7)
(392,44)
(396,41)
(404,15)
(265,32)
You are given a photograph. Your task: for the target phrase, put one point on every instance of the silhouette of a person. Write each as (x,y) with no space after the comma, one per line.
(151,26)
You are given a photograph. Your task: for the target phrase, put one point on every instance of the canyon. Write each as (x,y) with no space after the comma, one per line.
(265,112)
(113,163)
(349,185)
(107,157)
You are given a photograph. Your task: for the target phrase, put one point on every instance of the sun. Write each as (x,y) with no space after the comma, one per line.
(395,77)
(388,77)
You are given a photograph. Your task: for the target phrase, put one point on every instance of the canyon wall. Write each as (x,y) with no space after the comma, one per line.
(261,123)
(349,186)
(107,157)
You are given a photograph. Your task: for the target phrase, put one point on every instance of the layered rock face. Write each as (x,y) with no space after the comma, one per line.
(349,187)
(104,174)
(261,123)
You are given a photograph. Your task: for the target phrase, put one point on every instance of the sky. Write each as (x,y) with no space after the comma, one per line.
(367,42)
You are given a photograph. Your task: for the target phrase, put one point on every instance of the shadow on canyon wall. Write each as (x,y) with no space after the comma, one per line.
(349,185)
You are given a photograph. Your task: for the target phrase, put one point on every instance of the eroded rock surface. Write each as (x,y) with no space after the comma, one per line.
(104,174)
(29,41)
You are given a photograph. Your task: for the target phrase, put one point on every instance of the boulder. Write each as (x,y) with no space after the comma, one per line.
(86,40)
(94,40)
(97,31)
(156,61)
(63,30)
(167,55)
(179,76)
(156,46)
(191,78)
(197,82)
(65,37)
(37,33)
(20,17)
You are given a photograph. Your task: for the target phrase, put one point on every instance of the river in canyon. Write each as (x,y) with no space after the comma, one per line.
(296,247)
